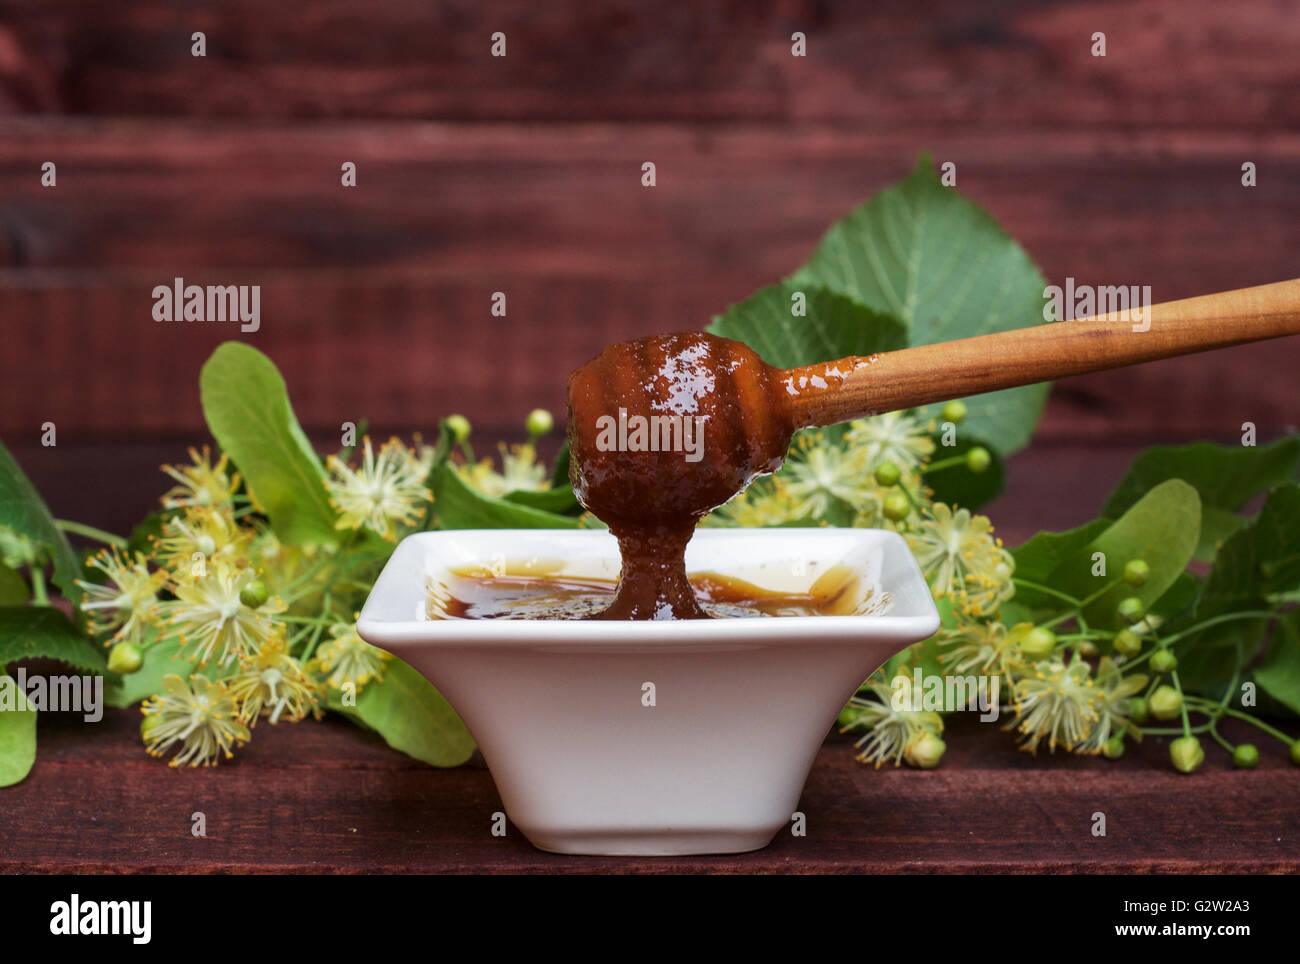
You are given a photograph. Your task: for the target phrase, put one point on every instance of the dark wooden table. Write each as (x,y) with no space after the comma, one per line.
(327,797)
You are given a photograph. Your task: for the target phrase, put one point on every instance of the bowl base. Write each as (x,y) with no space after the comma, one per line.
(654,842)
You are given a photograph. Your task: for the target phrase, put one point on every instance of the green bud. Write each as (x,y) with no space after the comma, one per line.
(887,474)
(1245,757)
(954,411)
(125,658)
(925,751)
(1131,609)
(1163,661)
(1038,643)
(254,594)
(1088,649)
(1138,709)
(897,506)
(1186,754)
(1137,572)
(539,422)
(1113,748)
(458,426)
(1166,703)
(978,459)
(1128,643)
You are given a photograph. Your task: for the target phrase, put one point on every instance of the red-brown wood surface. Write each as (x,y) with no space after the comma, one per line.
(318,797)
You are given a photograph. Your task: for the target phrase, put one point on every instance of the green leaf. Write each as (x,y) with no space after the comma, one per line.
(248,412)
(1161,528)
(922,253)
(958,485)
(457,506)
(833,326)
(412,716)
(13,587)
(1225,476)
(17,734)
(1279,674)
(29,632)
(23,511)
(1042,556)
(559,500)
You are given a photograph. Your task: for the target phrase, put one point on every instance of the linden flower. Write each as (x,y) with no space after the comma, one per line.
(891,733)
(347,658)
(520,471)
(982,647)
(817,475)
(385,492)
(211,618)
(200,715)
(272,682)
(1057,702)
(207,532)
(200,484)
(1115,705)
(960,557)
(893,437)
(762,504)
(125,604)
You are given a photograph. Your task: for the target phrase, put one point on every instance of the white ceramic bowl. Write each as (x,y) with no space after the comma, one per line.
(741,706)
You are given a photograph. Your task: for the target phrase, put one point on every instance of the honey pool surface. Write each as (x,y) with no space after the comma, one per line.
(474,593)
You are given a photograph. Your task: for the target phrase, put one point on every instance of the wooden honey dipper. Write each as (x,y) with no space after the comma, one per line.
(651,497)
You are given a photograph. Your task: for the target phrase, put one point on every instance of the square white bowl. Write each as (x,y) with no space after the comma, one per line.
(740,707)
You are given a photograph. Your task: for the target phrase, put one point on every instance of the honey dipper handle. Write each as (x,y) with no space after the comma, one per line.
(837,391)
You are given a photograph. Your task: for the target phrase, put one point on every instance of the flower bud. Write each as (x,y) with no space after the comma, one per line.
(539,422)
(896,507)
(1128,643)
(887,474)
(254,594)
(1131,609)
(1245,756)
(1038,643)
(1137,572)
(925,751)
(458,426)
(954,411)
(978,459)
(1138,709)
(1113,748)
(125,658)
(1166,703)
(1186,753)
(1163,661)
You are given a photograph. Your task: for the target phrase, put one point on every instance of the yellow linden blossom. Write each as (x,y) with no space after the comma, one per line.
(520,471)
(200,715)
(200,484)
(200,531)
(891,733)
(816,476)
(347,658)
(210,617)
(1115,705)
(982,647)
(272,682)
(383,493)
(1059,703)
(893,437)
(960,557)
(126,603)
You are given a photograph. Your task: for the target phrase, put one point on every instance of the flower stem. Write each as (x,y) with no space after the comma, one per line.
(90,532)
(39,596)
(1045,589)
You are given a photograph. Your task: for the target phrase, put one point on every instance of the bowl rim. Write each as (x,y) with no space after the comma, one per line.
(850,630)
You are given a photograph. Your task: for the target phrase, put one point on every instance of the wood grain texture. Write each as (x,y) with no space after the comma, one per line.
(376,299)
(887,64)
(329,798)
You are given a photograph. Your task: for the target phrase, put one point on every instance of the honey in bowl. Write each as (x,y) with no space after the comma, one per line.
(519,591)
